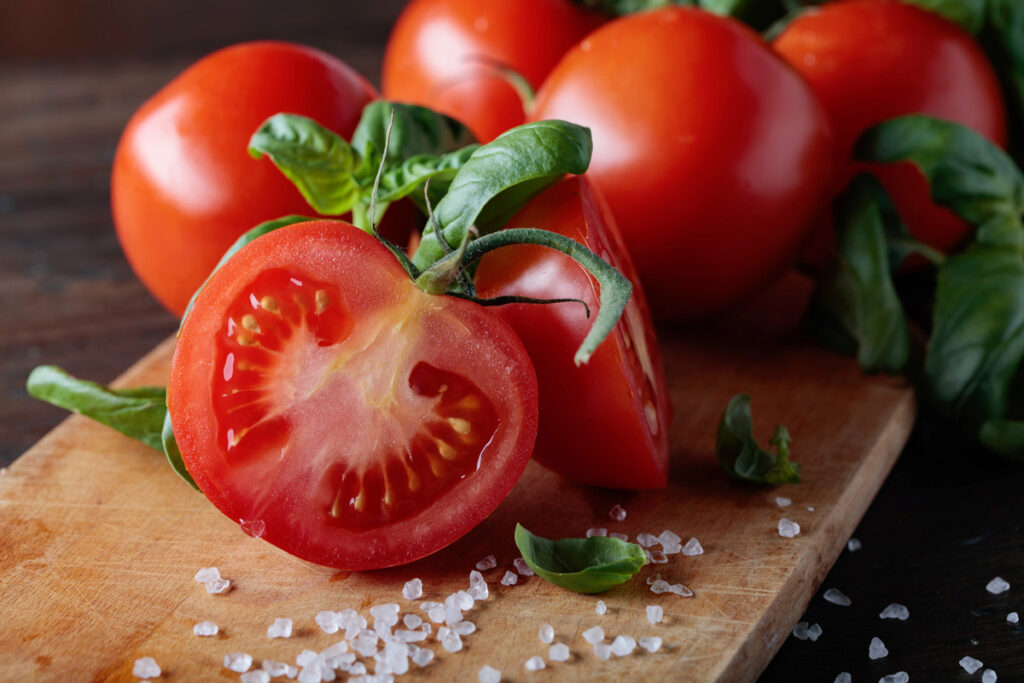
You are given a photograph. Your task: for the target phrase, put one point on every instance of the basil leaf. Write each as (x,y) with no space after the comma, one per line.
(855,306)
(138,413)
(1005,437)
(1006,19)
(967,173)
(741,457)
(317,160)
(584,565)
(170,448)
(416,131)
(501,176)
(403,179)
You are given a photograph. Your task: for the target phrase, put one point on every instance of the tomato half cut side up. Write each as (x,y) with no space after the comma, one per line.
(605,423)
(329,406)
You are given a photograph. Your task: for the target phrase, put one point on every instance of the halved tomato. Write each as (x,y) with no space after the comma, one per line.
(326,404)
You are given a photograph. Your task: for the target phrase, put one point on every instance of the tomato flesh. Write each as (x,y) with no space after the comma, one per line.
(357,421)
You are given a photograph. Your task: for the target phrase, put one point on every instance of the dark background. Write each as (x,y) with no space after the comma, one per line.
(72,72)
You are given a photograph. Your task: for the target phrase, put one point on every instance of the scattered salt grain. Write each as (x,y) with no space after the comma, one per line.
(1013,617)
(646,540)
(365,643)
(205,628)
(404,636)
(970,664)
(853,545)
(386,614)
(521,567)
(281,628)
(146,667)
(783,502)
(623,645)
(997,586)
(306,657)
(800,630)
(618,513)
(256,676)
(814,632)
(895,611)
(207,574)
(658,557)
(327,621)
(655,613)
(239,662)
(488,674)
(278,669)
(422,656)
(837,597)
(660,586)
(989,676)
(547,633)
(412,620)
(413,589)
(509,579)
(621,537)
(452,641)
(217,586)
(693,547)
(601,607)
(436,614)
(810,508)
(898,677)
(464,628)
(788,528)
(311,674)
(559,652)
(592,635)
(877,649)
(489,562)
(843,677)
(603,650)
(666,537)
(680,590)
(596,532)
(534,664)
(478,586)
(651,643)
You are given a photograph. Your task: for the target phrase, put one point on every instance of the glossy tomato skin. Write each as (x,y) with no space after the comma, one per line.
(712,153)
(872,60)
(184,186)
(604,423)
(442,54)
(329,406)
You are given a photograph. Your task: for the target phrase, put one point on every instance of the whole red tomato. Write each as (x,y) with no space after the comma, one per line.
(447,55)
(605,423)
(713,154)
(184,186)
(872,60)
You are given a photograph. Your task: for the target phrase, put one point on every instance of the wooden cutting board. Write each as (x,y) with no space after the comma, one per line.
(99,542)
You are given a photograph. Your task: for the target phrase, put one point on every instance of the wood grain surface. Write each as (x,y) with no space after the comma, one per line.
(101,542)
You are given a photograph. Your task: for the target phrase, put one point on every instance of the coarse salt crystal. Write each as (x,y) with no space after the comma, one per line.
(623,645)
(276,669)
(256,676)
(655,613)
(658,557)
(386,613)
(422,656)
(404,636)
(547,634)
(666,537)
(650,643)
(671,548)
(217,586)
(997,585)
(618,513)
(602,650)
(239,662)
(800,630)
(989,676)
(412,620)
(413,589)
(207,574)
(534,664)
(306,657)
(1013,617)
(783,502)
(693,547)
(205,628)
(559,652)
(593,635)
(680,590)
(853,545)
(837,597)
(489,562)
(311,674)
(621,537)
(478,586)
(877,649)
(281,628)
(436,614)
(488,674)
(145,667)
(452,642)
(788,528)
(327,620)
(810,508)
(970,664)
(898,677)
(464,628)
(596,532)
(521,567)
(646,540)
(659,586)
(814,632)
(509,579)
(601,607)
(843,677)
(895,611)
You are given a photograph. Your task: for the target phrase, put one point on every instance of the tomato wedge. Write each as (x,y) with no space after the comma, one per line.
(605,423)
(329,406)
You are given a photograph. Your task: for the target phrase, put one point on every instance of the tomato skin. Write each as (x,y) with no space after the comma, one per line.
(283,495)
(711,152)
(432,55)
(872,60)
(184,187)
(605,423)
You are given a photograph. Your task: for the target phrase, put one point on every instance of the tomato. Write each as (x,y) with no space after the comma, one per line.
(329,406)
(604,423)
(184,187)
(872,60)
(447,55)
(712,153)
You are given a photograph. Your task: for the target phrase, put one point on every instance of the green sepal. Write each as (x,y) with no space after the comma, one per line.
(583,565)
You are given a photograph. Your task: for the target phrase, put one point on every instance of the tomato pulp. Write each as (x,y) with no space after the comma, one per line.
(329,406)
(872,60)
(712,153)
(184,187)
(448,55)
(605,423)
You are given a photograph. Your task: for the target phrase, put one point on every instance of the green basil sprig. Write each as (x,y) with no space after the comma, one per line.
(583,565)
(741,457)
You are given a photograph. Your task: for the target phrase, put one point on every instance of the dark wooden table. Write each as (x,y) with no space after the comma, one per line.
(947,521)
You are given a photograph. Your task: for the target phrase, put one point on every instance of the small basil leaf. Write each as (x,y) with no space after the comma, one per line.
(584,565)
(317,160)
(170,447)
(855,306)
(138,413)
(416,131)
(501,176)
(1005,437)
(966,172)
(404,179)
(741,457)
